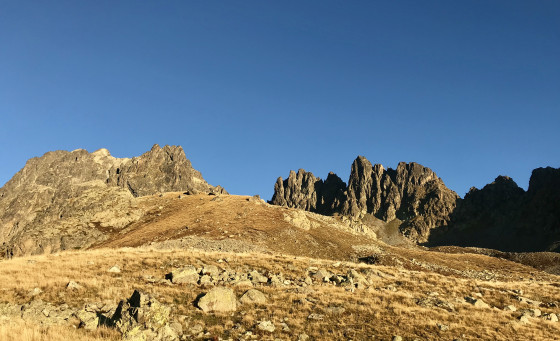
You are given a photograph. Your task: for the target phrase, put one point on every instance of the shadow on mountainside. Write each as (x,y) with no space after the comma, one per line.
(502,216)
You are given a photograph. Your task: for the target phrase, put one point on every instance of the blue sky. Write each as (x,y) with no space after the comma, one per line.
(252,89)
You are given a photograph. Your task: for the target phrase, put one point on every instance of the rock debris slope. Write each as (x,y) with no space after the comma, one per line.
(411,194)
(65,199)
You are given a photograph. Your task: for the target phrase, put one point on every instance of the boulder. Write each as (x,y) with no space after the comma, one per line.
(185,275)
(218,299)
(253,296)
(266,326)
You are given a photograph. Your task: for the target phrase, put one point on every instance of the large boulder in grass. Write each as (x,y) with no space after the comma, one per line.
(186,275)
(219,299)
(253,296)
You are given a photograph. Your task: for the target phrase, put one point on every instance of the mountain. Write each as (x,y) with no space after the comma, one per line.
(500,216)
(145,249)
(65,199)
(412,195)
(503,216)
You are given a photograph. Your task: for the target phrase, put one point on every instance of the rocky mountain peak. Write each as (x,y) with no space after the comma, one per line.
(66,185)
(545,178)
(411,193)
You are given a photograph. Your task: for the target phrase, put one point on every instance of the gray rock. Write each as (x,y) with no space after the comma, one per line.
(88,320)
(114,269)
(303,337)
(210,270)
(256,277)
(73,286)
(477,302)
(266,326)
(218,299)
(253,296)
(185,275)
(550,317)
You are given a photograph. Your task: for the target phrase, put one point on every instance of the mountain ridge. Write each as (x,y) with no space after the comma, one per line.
(431,214)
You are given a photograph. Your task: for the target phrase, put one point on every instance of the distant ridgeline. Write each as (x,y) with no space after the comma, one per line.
(63,200)
(501,215)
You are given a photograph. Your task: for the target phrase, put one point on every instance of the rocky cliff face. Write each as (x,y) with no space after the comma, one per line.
(65,199)
(499,216)
(305,191)
(413,194)
(503,216)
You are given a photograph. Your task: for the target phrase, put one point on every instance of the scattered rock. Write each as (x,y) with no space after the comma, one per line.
(210,270)
(114,269)
(477,302)
(266,326)
(315,316)
(218,299)
(303,337)
(256,277)
(524,318)
(73,286)
(35,291)
(442,327)
(88,320)
(185,275)
(550,317)
(253,296)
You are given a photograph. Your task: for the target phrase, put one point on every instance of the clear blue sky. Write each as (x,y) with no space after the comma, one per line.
(252,89)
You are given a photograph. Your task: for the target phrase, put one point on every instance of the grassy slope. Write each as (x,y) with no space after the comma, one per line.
(387,307)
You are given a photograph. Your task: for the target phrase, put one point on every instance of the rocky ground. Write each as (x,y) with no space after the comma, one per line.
(148,294)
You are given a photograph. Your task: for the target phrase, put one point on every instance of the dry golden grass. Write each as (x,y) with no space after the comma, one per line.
(234,217)
(19,330)
(387,307)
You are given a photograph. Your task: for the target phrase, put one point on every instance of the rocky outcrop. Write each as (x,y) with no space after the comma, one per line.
(305,191)
(65,200)
(159,170)
(413,194)
(505,217)
(500,216)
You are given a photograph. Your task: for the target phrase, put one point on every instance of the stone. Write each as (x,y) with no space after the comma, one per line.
(210,270)
(218,299)
(510,308)
(315,316)
(335,310)
(266,326)
(253,296)
(73,286)
(140,317)
(477,302)
(256,277)
(185,275)
(322,275)
(524,318)
(550,317)
(35,292)
(114,269)
(88,320)
(303,337)
(397,338)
